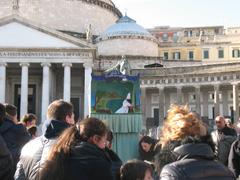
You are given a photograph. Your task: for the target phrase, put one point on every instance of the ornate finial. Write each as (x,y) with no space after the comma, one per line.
(89,35)
(125,11)
(15,4)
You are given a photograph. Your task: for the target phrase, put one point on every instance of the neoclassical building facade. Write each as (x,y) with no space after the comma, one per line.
(50,48)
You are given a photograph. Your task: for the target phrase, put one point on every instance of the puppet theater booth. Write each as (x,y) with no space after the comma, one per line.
(116,100)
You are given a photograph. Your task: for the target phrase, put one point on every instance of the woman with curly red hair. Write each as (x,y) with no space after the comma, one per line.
(187,149)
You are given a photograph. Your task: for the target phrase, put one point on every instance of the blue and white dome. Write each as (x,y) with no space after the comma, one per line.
(126,37)
(126,26)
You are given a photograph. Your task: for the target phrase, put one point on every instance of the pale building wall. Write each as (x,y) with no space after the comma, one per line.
(66,15)
(138,47)
(233,30)
(213,52)
(183,50)
(5,8)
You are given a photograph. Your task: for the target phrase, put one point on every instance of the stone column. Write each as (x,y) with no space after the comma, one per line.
(198,99)
(87,89)
(67,82)
(225,102)
(185,98)
(235,102)
(216,100)
(167,102)
(205,103)
(3,82)
(179,95)
(24,89)
(45,90)
(143,105)
(161,105)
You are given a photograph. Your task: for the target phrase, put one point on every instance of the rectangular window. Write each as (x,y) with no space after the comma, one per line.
(206,54)
(165,55)
(220,53)
(190,55)
(165,37)
(176,56)
(235,53)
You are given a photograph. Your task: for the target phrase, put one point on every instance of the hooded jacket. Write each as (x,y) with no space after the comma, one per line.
(35,152)
(195,161)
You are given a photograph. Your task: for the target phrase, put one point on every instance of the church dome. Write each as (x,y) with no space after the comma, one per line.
(126,37)
(65,15)
(125,26)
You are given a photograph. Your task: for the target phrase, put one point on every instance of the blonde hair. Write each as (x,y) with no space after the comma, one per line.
(181,123)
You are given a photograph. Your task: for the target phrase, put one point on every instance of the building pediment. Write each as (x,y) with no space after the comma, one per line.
(16,32)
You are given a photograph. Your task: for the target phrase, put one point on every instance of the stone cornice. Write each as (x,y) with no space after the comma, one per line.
(126,36)
(30,49)
(26,53)
(104,5)
(191,70)
(129,57)
(214,80)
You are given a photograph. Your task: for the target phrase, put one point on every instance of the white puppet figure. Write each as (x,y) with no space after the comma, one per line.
(125,105)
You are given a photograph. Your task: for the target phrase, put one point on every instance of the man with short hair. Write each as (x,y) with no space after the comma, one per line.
(15,135)
(11,112)
(6,164)
(223,137)
(60,116)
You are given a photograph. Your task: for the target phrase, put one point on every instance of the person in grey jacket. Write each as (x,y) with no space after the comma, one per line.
(35,152)
(223,138)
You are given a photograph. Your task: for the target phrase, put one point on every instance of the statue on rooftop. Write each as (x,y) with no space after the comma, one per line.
(122,66)
(15,4)
(89,36)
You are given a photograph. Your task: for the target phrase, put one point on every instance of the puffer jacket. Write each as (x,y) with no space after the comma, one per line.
(15,136)
(35,152)
(85,161)
(195,161)
(88,162)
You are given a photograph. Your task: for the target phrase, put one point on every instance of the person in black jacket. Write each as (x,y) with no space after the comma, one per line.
(79,154)
(187,150)
(234,155)
(35,152)
(115,160)
(147,148)
(6,164)
(15,135)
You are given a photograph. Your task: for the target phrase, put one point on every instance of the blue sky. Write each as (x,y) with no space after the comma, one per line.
(184,13)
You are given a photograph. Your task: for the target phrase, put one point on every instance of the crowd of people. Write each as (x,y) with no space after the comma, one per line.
(82,150)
